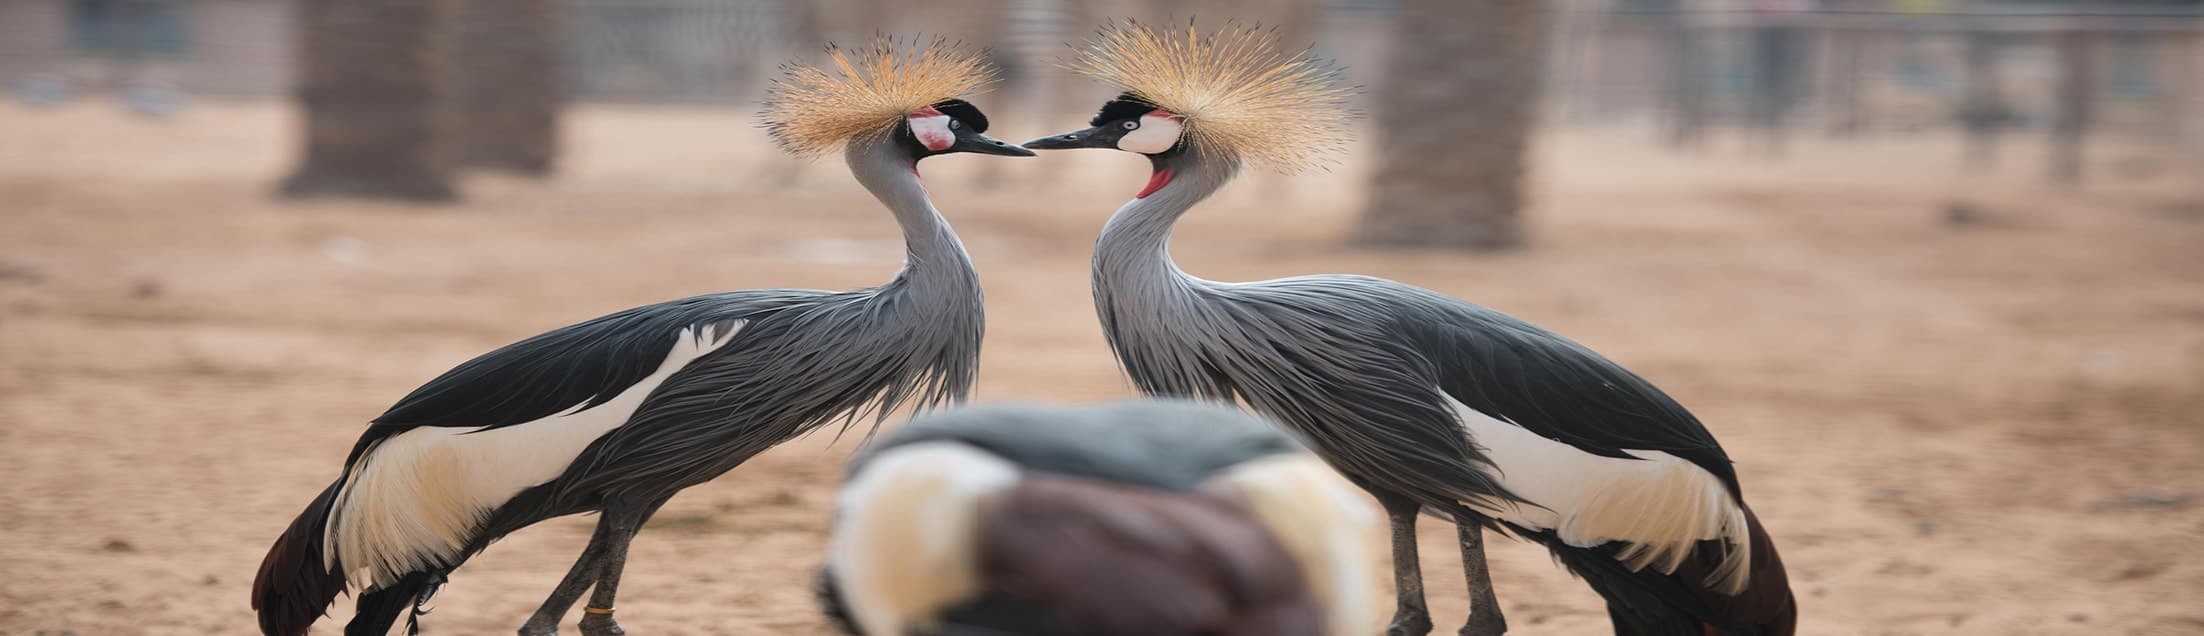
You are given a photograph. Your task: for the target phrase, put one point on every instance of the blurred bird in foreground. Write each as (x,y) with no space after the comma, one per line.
(617,414)
(1428,402)
(1147,518)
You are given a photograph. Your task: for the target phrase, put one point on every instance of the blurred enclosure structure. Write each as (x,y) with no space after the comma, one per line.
(1833,67)
(707,51)
(2064,71)
(402,94)
(1854,67)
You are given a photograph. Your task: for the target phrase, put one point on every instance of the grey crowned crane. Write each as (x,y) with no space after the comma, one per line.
(617,414)
(1143,518)
(1430,403)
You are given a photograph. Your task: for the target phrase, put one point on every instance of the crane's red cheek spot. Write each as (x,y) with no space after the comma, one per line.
(937,141)
(1162,177)
(931,127)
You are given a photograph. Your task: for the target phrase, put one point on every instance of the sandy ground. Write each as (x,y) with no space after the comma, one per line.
(1987,428)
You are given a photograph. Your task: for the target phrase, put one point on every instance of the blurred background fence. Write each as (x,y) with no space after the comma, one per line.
(1836,67)
(679,50)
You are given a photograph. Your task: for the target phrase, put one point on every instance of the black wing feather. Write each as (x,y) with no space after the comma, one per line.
(1517,372)
(585,363)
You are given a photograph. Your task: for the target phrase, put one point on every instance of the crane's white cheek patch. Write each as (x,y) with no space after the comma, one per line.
(1157,133)
(933,132)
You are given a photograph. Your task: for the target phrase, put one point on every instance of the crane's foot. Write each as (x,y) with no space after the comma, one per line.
(1485,618)
(1409,624)
(532,629)
(596,624)
(1485,624)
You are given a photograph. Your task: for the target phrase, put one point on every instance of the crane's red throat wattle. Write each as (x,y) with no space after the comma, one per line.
(1162,177)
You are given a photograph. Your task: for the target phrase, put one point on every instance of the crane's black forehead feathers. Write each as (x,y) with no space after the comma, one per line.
(965,112)
(1125,106)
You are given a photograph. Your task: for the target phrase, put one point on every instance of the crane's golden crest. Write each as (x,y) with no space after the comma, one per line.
(865,92)
(1235,90)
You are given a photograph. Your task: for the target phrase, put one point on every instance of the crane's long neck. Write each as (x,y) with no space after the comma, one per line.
(1134,250)
(934,259)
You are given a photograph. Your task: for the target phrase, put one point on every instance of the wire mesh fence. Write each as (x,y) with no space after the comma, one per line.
(1841,67)
(678,50)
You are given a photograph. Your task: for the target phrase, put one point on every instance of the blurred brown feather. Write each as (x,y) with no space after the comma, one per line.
(1123,560)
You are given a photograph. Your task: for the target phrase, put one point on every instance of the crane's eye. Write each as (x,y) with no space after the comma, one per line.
(1130,124)
(954,124)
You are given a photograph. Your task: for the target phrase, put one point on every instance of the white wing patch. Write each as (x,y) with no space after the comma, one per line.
(1660,504)
(905,541)
(415,499)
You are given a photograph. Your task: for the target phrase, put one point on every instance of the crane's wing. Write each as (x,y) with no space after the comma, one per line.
(1519,373)
(571,368)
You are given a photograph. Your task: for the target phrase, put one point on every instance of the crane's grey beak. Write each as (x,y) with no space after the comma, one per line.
(985,145)
(1073,140)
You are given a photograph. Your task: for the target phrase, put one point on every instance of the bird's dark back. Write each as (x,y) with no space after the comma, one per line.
(1167,444)
(1521,373)
(584,364)
(1363,367)
(1116,525)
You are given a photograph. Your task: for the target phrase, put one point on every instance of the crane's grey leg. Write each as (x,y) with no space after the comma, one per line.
(1484,605)
(626,518)
(545,622)
(1410,616)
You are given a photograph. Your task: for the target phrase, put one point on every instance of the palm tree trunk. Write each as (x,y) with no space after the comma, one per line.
(508,58)
(371,92)
(1455,114)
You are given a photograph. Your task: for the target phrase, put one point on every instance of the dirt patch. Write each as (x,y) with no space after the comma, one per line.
(1948,430)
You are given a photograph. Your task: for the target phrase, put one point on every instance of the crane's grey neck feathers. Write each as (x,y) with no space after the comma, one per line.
(933,254)
(1135,245)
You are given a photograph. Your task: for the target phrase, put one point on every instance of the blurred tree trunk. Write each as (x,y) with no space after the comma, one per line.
(1982,109)
(371,90)
(2076,94)
(509,66)
(1455,114)
(2077,100)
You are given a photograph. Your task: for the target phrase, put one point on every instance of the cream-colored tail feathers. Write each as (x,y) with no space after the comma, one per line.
(905,541)
(415,499)
(1325,523)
